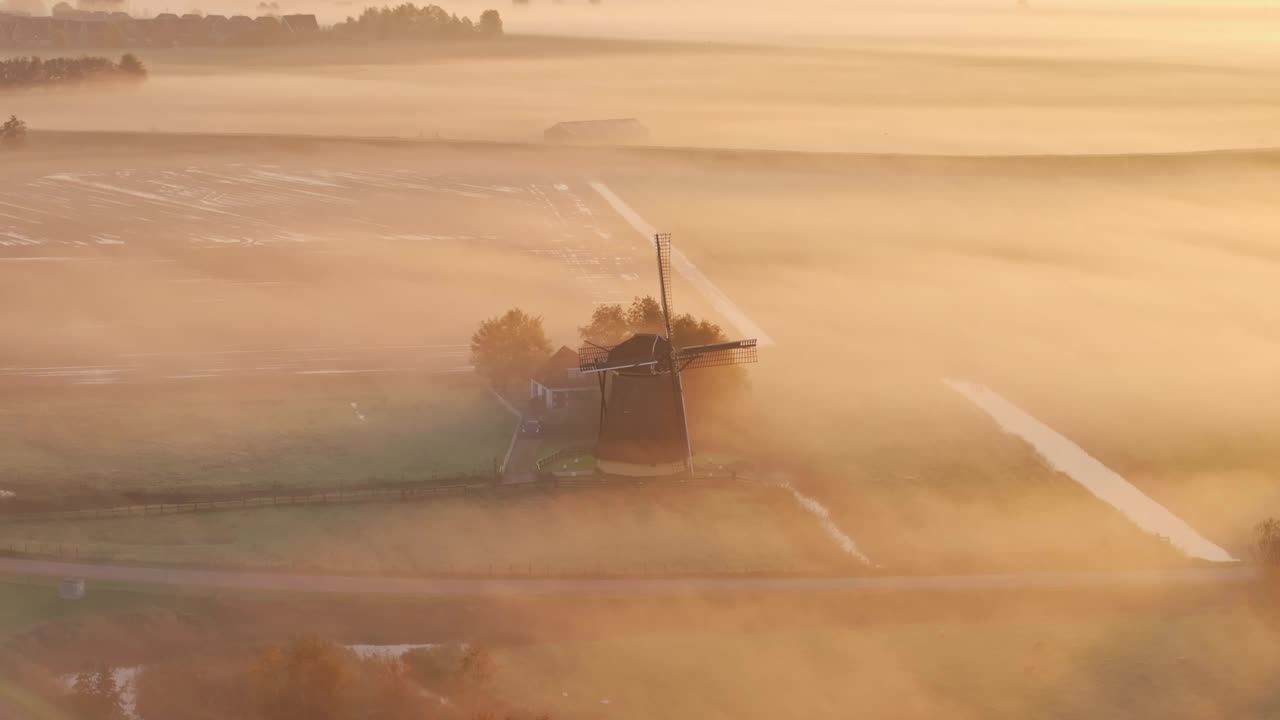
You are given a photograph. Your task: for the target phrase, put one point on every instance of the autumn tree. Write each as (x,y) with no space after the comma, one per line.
(304,680)
(506,349)
(608,326)
(1267,544)
(611,324)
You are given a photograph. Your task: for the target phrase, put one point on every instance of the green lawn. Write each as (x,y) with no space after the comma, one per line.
(221,436)
(25,604)
(617,529)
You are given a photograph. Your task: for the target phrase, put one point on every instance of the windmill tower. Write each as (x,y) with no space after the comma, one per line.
(644,430)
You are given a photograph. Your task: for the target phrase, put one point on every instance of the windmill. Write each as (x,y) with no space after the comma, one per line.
(644,430)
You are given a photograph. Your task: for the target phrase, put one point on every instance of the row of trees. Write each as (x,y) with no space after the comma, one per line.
(410,22)
(306,679)
(509,348)
(35,72)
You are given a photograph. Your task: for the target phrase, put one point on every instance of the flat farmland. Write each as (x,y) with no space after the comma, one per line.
(236,268)
(394,251)
(1121,300)
(197,323)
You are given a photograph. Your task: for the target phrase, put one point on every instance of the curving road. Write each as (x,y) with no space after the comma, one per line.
(351,584)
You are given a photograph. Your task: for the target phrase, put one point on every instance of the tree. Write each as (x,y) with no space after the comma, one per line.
(708,395)
(645,316)
(608,326)
(508,348)
(13,133)
(304,680)
(96,696)
(611,324)
(1268,542)
(490,23)
(131,65)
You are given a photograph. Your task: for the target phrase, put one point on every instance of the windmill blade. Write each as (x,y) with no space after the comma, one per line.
(591,356)
(735,352)
(594,359)
(662,241)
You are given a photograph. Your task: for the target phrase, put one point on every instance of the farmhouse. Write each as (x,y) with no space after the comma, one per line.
(558,384)
(615,131)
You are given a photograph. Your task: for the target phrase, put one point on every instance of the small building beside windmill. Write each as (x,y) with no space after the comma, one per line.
(560,388)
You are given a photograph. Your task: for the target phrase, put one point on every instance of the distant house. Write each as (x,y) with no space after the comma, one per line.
(613,132)
(191,29)
(301,23)
(558,385)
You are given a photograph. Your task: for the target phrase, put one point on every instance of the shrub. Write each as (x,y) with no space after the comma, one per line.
(35,72)
(1267,544)
(13,133)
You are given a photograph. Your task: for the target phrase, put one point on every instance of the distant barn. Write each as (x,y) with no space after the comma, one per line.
(301,23)
(613,132)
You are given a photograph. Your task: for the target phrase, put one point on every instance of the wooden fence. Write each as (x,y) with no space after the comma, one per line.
(404,493)
(561,454)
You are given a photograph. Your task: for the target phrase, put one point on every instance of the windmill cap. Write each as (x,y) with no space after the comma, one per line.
(637,349)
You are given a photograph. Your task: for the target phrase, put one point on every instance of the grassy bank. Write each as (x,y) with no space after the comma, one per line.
(625,530)
(224,436)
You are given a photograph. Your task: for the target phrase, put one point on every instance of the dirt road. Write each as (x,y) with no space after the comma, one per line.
(1232,574)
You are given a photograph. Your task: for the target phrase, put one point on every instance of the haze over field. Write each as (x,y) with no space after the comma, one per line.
(969,78)
(254,279)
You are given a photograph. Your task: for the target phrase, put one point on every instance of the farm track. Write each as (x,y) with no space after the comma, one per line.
(356,585)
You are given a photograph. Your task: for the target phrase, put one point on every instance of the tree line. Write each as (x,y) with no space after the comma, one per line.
(21,72)
(509,348)
(410,22)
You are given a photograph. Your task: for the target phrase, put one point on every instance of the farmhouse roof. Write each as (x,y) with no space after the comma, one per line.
(301,23)
(560,372)
(610,130)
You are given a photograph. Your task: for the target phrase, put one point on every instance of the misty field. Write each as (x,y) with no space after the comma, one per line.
(611,530)
(1120,298)
(879,278)
(1192,663)
(1182,653)
(109,441)
(964,78)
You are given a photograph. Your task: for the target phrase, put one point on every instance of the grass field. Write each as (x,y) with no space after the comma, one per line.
(221,436)
(650,530)
(1191,663)
(1118,298)
(1133,329)
(27,605)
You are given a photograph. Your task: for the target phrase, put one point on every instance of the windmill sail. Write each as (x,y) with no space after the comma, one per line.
(663,242)
(736,352)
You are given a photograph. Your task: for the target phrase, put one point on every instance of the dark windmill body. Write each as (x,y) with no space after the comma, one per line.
(644,430)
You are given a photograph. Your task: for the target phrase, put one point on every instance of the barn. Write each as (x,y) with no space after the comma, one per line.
(618,131)
(559,386)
